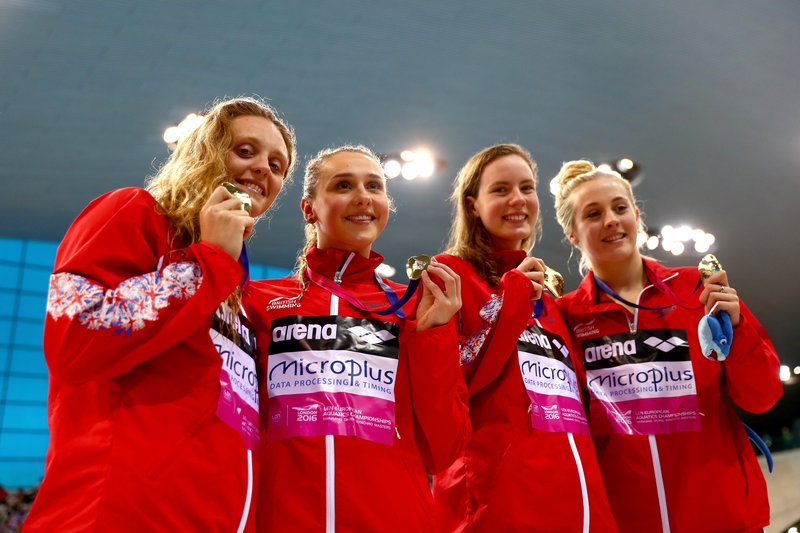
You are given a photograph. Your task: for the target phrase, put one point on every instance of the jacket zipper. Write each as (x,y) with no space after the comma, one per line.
(582,478)
(330,450)
(662,497)
(249,498)
(579,464)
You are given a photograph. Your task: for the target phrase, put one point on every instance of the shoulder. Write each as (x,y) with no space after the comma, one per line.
(128,205)
(461,266)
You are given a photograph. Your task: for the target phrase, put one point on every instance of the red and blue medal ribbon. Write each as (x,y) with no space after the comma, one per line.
(660,285)
(396,303)
(245,266)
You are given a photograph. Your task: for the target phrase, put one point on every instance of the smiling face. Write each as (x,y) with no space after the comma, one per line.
(606,222)
(258,161)
(506,202)
(348,206)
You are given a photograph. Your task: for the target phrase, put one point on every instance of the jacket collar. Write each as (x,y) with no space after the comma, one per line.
(505,260)
(328,261)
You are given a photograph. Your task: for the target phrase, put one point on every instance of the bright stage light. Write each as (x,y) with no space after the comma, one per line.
(411,164)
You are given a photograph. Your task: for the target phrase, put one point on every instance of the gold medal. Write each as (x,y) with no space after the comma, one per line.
(708,265)
(416,265)
(553,282)
(247,203)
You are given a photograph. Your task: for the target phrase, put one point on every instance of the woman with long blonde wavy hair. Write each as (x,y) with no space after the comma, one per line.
(153,403)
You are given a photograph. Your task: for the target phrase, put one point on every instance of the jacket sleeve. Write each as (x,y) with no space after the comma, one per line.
(110,307)
(751,371)
(502,337)
(438,396)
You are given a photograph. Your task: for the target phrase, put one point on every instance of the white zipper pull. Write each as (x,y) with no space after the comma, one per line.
(397,432)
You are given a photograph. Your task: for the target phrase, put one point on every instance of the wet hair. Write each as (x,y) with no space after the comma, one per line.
(197,166)
(469,238)
(570,177)
(310,183)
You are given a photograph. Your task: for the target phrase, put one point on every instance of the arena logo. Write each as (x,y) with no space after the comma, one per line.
(665,345)
(304,331)
(371,337)
(607,351)
(537,339)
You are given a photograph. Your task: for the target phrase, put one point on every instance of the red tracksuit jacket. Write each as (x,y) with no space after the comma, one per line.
(673,452)
(356,407)
(135,440)
(530,464)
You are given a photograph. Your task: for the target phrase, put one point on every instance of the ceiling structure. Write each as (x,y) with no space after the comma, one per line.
(703,95)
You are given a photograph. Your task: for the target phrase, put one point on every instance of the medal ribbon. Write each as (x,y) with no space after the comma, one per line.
(245,266)
(395,303)
(660,285)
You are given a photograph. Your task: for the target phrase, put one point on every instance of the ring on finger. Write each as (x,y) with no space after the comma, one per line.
(722,289)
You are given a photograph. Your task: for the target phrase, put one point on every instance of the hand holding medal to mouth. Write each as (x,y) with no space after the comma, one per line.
(225,220)
(721,302)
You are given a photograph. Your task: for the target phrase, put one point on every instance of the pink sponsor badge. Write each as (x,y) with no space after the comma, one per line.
(551,382)
(238,397)
(641,383)
(332,376)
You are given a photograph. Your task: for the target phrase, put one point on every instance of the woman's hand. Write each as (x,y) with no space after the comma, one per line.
(223,222)
(717,293)
(437,306)
(533,268)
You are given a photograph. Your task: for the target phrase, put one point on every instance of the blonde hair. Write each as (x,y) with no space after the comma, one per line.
(469,238)
(197,166)
(570,177)
(310,183)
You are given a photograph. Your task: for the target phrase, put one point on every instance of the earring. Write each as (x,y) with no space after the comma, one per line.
(310,219)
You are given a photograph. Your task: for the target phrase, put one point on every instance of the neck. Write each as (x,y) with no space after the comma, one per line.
(363,252)
(627,276)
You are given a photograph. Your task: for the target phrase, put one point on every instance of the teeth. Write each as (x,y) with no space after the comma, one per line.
(360,218)
(615,238)
(516,218)
(255,188)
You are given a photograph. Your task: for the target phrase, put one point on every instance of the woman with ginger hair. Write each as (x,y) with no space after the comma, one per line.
(530,464)
(674,455)
(143,337)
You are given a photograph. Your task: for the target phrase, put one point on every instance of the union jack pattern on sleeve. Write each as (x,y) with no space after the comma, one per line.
(469,348)
(134,302)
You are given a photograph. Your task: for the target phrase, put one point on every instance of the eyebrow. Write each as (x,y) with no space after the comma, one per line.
(508,182)
(353,175)
(616,199)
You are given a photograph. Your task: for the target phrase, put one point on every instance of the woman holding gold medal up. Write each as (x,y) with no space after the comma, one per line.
(358,402)
(143,341)
(530,463)
(663,354)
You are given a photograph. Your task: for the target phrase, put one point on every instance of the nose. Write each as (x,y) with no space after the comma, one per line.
(260,166)
(516,197)
(362,195)
(610,219)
